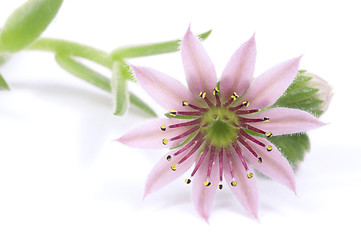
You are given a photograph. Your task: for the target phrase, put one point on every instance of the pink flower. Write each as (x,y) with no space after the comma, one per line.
(216,137)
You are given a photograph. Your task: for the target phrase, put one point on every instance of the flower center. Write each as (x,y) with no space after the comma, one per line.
(217,130)
(219,126)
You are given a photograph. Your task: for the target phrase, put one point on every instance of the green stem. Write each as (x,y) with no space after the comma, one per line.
(80,70)
(73,49)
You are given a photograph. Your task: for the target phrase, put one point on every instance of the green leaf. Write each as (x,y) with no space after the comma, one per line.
(300,95)
(3,84)
(136,101)
(80,70)
(26,23)
(119,89)
(151,49)
(73,49)
(293,147)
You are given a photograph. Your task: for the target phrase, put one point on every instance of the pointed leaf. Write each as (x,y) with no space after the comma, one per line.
(119,88)
(73,49)
(80,70)
(151,49)
(3,84)
(26,23)
(301,95)
(293,147)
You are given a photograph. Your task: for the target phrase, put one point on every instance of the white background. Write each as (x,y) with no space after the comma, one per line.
(62,176)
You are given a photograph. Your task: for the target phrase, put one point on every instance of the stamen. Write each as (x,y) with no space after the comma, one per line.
(269,148)
(216,94)
(266,119)
(269,134)
(165,141)
(203,156)
(241,112)
(209,103)
(188,145)
(211,159)
(173,167)
(239,153)
(163,127)
(188,113)
(230,165)
(207,183)
(243,133)
(203,95)
(245,144)
(252,128)
(185,124)
(244,120)
(190,131)
(220,186)
(250,175)
(185,104)
(244,104)
(169,158)
(199,143)
(233,98)
(173,113)
(220,158)
(188,180)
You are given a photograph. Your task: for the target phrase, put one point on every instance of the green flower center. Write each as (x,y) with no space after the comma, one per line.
(219,126)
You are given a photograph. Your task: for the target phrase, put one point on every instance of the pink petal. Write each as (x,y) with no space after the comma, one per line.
(273,163)
(238,73)
(162,174)
(287,121)
(267,88)
(165,90)
(149,135)
(203,196)
(199,70)
(246,189)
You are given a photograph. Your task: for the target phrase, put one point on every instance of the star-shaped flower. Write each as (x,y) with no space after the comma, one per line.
(220,134)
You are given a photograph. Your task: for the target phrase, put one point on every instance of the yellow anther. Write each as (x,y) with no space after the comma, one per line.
(260,160)
(173,112)
(269,134)
(215,91)
(188,181)
(173,167)
(207,183)
(165,141)
(169,157)
(245,103)
(234,183)
(250,175)
(234,96)
(269,148)
(184,103)
(266,119)
(163,127)
(220,186)
(202,94)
